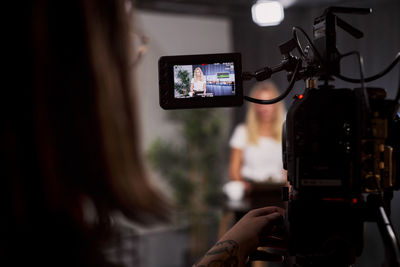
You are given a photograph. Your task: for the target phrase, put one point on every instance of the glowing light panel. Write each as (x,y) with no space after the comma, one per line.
(267,13)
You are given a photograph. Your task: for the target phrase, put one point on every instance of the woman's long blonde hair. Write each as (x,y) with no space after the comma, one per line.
(252,120)
(202,75)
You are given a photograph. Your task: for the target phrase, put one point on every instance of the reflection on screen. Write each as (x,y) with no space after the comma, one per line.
(204,80)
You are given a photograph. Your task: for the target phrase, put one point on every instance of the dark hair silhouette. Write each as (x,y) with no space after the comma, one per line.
(70,135)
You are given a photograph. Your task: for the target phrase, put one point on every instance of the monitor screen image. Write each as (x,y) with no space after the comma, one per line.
(204,80)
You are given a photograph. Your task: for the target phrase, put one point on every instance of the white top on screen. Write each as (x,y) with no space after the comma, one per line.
(198,86)
(262,162)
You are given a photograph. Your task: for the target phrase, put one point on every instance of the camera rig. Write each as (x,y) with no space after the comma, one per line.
(341,149)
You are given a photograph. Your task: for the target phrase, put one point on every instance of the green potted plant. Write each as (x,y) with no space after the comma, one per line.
(182,87)
(194,167)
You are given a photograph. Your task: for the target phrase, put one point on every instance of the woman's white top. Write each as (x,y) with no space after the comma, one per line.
(198,86)
(262,162)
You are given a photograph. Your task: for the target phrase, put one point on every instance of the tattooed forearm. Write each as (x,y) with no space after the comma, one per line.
(228,246)
(223,254)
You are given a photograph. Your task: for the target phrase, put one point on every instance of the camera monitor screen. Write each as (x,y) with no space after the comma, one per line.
(200,81)
(204,80)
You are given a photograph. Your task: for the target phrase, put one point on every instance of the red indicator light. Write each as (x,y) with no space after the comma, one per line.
(203,64)
(355,201)
(300,96)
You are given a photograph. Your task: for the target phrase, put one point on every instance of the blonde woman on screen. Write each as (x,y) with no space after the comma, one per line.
(198,83)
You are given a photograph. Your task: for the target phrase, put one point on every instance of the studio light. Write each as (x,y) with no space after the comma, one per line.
(267,13)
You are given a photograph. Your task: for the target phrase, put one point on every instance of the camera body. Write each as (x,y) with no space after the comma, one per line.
(319,149)
(336,148)
(341,152)
(336,151)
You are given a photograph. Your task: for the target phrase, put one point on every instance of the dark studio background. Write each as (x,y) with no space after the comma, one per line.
(259,48)
(381,42)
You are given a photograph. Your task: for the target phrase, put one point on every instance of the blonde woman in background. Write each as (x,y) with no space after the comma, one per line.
(256,155)
(198,83)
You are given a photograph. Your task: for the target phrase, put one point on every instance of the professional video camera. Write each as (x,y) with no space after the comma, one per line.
(341,147)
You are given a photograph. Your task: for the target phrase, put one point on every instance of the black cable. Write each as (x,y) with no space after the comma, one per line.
(374,77)
(283,95)
(299,48)
(397,98)
(298,45)
(361,69)
(361,65)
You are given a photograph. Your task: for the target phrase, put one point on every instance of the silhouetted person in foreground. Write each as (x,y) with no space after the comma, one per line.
(70,145)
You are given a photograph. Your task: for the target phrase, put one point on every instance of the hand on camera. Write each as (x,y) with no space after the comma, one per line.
(240,243)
